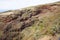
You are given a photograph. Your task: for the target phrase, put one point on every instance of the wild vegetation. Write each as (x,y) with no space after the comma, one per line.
(40,22)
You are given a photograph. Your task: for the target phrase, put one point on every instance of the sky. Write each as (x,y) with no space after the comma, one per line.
(17,4)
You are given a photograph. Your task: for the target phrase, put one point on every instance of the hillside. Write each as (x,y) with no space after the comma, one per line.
(41,22)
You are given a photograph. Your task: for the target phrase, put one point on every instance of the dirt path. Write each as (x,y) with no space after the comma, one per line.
(7,13)
(46,38)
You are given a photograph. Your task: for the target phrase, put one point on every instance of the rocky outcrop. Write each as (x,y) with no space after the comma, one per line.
(40,22)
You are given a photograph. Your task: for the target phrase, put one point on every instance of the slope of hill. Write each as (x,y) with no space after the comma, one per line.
(40,22)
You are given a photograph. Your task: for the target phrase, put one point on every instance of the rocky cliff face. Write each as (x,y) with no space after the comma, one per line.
(40,22)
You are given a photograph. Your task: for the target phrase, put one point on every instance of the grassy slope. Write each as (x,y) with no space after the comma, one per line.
(46,22)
